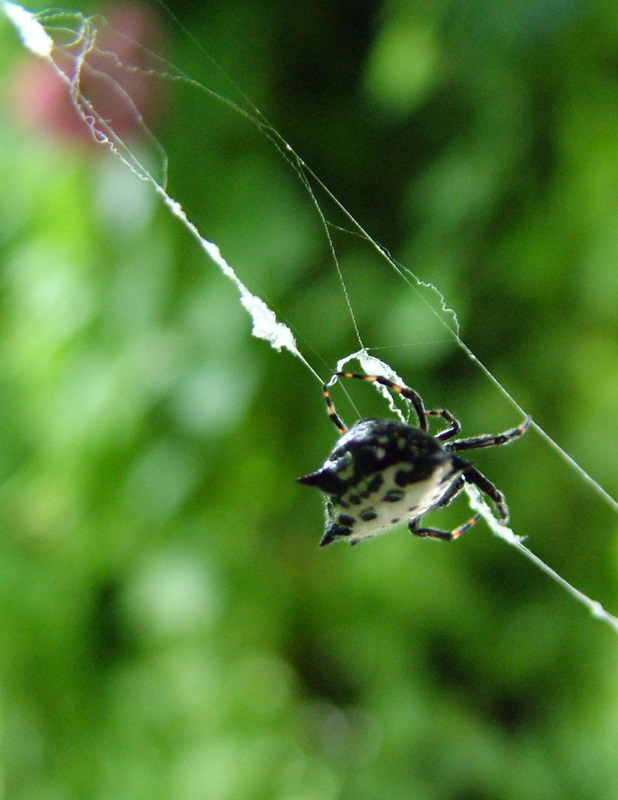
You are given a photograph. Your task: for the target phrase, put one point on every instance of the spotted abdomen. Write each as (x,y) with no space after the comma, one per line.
(381,473)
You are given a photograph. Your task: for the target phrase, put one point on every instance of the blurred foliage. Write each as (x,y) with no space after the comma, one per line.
(169,627)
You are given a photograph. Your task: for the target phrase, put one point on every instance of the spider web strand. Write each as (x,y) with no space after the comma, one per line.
(506,534)
(36,39)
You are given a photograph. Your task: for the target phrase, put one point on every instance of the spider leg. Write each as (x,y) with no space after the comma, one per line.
(451,493)
(404,391)
(436,533)
(489,440)
(474,476)
(454,424)
(330,409)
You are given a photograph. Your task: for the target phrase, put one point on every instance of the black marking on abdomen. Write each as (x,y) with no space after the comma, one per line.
(393,496)
(404,476)
(375,483)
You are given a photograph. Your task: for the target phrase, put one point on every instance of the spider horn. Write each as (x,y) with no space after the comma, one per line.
(334,532)
(324,479)
(328,538)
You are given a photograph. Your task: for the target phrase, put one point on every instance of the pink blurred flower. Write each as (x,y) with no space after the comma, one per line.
(113,78)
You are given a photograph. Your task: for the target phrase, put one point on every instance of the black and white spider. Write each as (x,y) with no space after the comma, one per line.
(383,472)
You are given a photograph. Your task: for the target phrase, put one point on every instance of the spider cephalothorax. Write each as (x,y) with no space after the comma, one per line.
(384,472)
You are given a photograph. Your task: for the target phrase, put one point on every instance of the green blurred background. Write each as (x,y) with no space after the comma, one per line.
(169,629)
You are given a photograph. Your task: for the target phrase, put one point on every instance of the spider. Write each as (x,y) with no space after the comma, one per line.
(382,471)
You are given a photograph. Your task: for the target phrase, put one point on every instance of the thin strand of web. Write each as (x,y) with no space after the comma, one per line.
(37,40)
(585,476)
(478,504)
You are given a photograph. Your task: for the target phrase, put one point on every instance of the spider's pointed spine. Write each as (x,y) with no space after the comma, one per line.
(324,479)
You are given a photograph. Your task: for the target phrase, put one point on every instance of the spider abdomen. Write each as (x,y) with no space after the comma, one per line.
(380,474)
